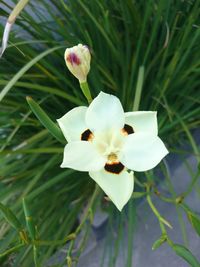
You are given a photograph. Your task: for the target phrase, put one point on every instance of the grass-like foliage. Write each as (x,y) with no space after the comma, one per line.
(145,52)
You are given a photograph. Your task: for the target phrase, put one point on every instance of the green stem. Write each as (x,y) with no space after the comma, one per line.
(35,256)
(175,198)
(138,91)
(161,220)
(11,250)
(166,199)
(55,242)
(86,91)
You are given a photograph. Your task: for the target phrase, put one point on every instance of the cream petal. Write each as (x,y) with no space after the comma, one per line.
(142,152)
(105,112)
(82,156)
(142,121)
(118,187)
(73,123)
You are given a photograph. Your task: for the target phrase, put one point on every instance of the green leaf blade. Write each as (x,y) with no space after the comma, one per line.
(185,253)
(45,120)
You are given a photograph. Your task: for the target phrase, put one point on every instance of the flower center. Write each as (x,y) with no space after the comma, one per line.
(112,157)
(109,144)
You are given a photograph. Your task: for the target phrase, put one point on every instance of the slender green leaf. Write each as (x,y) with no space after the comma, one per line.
(45,120)
(10,217)
(193,218)
(29,220)
(11,250)
(186,254)
(20,73)
(138,90)
(195,221)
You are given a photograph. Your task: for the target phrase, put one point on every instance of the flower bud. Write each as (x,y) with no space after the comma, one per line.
(77,59)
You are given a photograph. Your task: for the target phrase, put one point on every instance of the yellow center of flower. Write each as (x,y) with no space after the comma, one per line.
(112,157)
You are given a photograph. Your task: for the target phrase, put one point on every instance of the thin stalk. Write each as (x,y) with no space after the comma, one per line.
(138,91)
(161,220)
(171,188)
(86,91)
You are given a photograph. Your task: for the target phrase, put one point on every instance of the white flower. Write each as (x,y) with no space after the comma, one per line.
(78,59)
(107,143)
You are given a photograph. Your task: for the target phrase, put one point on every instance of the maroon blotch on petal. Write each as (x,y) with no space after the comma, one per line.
(115,167)
(127,129)
(87,135)
(73,59)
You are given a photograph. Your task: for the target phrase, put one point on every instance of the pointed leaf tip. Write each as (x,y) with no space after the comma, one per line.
(45,120)
(159,242)
(28,98)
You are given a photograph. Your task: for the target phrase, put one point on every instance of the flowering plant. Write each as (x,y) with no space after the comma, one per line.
(105,141)
(151,66)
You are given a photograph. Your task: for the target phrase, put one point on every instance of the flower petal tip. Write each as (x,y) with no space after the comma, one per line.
(119,208)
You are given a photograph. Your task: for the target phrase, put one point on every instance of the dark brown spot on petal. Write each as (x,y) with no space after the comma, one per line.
(73,59)
(127,129)
(115,167)
(87,135)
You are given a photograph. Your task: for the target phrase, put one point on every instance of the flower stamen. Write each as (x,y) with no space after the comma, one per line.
(112,157)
